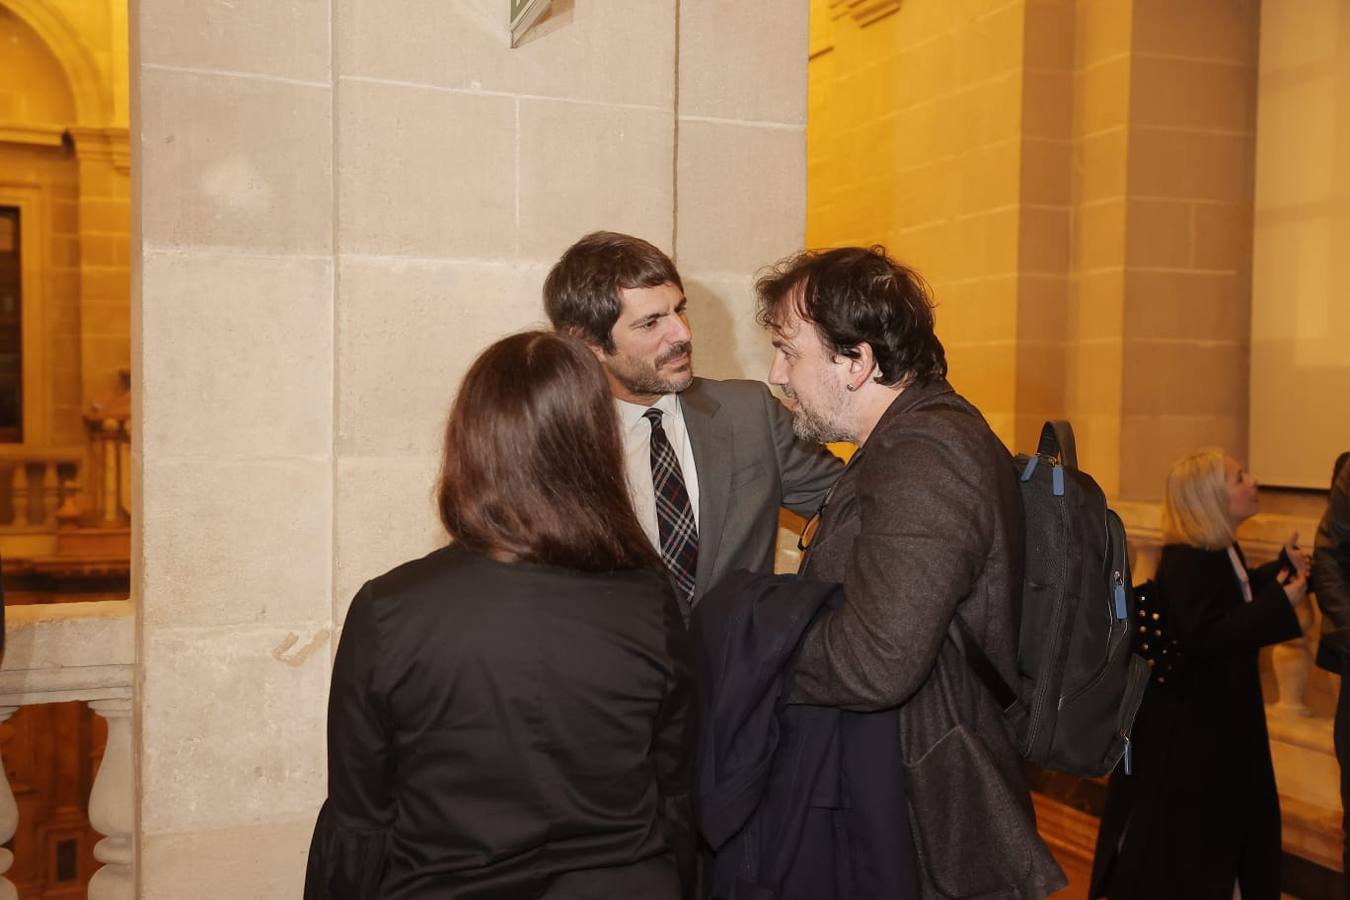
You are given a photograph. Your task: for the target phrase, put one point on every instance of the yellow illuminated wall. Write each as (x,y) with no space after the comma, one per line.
(1300,302)
(916,139)
(1074,179)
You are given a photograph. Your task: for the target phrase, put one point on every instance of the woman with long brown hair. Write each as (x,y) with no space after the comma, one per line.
(509,715)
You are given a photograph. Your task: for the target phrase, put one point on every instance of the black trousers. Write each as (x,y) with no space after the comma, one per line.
(1342,736)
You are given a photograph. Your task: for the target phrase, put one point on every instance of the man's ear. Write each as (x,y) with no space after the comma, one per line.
(585,339)
(861,365)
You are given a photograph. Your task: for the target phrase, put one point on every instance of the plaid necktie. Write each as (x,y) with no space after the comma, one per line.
(674,515)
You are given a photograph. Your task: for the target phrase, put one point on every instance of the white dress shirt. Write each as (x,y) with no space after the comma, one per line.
(637,451)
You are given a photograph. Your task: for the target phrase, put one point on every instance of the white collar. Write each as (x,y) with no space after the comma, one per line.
(630,414)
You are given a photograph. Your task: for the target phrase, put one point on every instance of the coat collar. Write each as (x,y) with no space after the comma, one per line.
(911,398)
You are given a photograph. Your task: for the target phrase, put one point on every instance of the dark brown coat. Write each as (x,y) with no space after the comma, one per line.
(926,524)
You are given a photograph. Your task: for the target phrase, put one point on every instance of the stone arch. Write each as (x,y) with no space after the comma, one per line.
(92,103)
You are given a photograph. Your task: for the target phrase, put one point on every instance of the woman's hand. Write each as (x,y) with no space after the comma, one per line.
(1301,560)
(1296,588)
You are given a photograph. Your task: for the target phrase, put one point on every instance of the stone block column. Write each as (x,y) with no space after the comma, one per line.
(740,171)
(233,393)
(104,162)
(941,130)
(1164,132)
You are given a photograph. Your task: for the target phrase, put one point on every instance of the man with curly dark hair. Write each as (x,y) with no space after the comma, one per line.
(924,526)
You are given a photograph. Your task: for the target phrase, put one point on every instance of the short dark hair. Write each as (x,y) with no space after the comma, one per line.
(532,469)
(581,292)
(859,295)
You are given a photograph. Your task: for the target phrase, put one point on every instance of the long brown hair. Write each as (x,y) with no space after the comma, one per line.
(532,469)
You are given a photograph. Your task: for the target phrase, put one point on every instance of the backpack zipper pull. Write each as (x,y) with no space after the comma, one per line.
(1129,755)
(1030,468)
(1057,474)
(1118,592)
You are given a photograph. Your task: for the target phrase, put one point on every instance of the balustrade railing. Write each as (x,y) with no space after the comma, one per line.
(35,485)
(55,653)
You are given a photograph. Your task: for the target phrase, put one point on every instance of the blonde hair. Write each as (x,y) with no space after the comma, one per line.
(1195,508)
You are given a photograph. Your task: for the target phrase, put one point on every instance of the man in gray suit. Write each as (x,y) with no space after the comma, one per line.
(708,462)
(925,525)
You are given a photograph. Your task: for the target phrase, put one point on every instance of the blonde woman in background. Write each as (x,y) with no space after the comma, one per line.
(1200,816)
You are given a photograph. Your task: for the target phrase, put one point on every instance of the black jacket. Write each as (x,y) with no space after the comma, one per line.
(1331,571)
(507,730)
(1201,806)
(796,801)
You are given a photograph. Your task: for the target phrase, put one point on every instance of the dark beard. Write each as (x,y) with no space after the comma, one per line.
(649,380)
(653,383)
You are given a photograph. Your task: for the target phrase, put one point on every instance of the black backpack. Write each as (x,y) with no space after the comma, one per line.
(1080,683)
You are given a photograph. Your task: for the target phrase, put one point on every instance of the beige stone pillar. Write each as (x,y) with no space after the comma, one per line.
(329,233)
(1044,218)
(942,130)
(104,235)
(233,450)
(1164,114)
(740,169)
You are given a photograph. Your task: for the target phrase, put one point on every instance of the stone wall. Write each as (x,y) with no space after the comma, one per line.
(915,141)
(340,205)
(1165,121)
(1075,179)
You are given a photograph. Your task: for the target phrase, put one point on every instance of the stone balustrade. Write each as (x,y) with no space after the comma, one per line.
(85,652)
(35,485)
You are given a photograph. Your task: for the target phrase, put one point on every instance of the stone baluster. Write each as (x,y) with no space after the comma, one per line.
(9,821)
(68,513)
(37,499)
(112,806)
(51,492)
(18,493)
(1292,663)
(108,472)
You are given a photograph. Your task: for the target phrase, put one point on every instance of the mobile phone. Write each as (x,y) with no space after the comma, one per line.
(1287,567)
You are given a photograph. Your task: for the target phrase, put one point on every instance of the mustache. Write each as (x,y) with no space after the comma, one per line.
(675,352)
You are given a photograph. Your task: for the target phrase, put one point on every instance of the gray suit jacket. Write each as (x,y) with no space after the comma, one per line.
(749,464)
(926,524)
